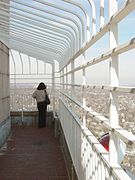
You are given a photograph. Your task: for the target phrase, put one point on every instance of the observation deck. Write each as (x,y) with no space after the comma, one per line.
(84,52)
(32,153)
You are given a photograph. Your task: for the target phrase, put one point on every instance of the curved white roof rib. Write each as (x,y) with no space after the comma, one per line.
(77,4)
(86,15)
(35,22)
(56,32)
(93,16)
(12,56)
(22,28)
(83,31)
(41,16)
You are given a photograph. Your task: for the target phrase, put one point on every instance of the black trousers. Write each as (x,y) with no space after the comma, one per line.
(42,107)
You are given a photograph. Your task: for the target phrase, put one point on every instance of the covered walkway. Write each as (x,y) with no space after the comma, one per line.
(83,50)
(32,154)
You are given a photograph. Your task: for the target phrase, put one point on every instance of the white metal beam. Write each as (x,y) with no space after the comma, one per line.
(45,11)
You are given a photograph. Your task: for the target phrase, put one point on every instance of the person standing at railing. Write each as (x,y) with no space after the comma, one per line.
(40,96)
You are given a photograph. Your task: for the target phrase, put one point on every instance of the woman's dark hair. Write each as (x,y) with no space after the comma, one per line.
(41,86)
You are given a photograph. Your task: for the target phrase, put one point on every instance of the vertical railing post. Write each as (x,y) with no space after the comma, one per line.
(101,13)
(114,81)
(53,85)
(72,79)
(61,85)
(63,79)
(60,81)
(73,127)
(29,64)
(37,65)
(88,28)
(21,62)
(14,104)
(84,90)
(93,16)
(66,79)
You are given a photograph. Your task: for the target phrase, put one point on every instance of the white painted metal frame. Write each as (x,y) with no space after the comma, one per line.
(114,81)
(28,103)
(90,159)
(71,33)
(32,33)
(117,133)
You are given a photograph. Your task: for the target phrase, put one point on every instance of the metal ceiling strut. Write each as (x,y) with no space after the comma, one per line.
(56,32)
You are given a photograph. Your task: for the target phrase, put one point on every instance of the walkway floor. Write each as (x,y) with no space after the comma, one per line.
(32,154)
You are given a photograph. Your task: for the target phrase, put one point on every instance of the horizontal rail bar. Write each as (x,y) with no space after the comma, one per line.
(117,171)
(31,78)
(126,136)
(103,87)
(123,12)
(34,74)
(120,49)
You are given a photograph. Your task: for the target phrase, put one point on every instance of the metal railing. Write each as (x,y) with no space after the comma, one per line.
(90,159)
(21,100)
(94,161)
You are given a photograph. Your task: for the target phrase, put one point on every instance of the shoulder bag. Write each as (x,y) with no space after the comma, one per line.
(47,100)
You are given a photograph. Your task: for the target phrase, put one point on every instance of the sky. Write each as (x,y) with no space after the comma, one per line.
(99,74)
